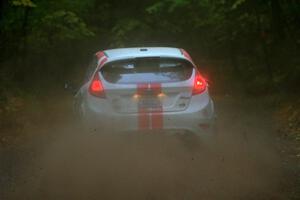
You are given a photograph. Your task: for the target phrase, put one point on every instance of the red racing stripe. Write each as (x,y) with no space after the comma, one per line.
(100,54)
(103,61)
(102,58)
(157,119)
(143,114)
(157,113)
(186,55)
(144,119)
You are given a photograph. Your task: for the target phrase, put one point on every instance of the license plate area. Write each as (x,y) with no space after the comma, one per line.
(149,102)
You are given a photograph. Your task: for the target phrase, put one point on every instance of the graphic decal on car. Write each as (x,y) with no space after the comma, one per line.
(102,58)
(186,55)
(157,113)
(143,115)
(150,109)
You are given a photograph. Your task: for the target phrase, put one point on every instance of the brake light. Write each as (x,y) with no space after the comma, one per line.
(96,88)
(199,84)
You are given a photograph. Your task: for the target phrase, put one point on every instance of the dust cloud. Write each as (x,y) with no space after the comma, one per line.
(240,163)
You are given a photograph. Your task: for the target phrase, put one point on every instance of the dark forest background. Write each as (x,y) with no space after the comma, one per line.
(252,44)
(249,50)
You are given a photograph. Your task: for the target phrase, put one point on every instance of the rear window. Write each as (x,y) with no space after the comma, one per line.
(147,70)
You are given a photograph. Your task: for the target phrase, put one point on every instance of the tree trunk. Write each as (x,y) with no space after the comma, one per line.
(2,5)
(277,20)
(24,27)
(233,58)
(262,38)
(22,62)
(2,34)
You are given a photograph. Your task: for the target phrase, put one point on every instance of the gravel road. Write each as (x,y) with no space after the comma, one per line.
(56,160)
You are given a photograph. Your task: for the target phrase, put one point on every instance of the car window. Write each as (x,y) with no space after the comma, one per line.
(147,70)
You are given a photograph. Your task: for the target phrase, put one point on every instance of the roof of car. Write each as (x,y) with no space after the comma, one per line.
(123,53)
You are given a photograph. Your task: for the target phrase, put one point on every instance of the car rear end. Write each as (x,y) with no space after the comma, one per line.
(148,92)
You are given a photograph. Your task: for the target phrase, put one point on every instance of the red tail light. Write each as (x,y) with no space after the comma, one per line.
(199,84)
(96,88)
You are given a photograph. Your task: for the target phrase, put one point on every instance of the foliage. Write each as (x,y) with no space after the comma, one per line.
(122,30)
(23,3)
(249,36)
(61,25)
(237,3)
(288,119)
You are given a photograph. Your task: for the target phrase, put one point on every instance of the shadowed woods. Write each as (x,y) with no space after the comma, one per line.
(247,49)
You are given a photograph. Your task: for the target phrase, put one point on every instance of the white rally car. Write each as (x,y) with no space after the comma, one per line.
(135,89)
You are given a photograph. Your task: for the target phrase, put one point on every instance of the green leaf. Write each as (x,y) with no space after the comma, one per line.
(237,3)
(60,26)
(177,3)
(23,3)
(157,7)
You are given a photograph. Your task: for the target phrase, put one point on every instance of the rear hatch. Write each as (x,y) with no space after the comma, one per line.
(149,83)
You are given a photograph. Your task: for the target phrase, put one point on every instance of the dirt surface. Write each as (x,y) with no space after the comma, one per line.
(54,159)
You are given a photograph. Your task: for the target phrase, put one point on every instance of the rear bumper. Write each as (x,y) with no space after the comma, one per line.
(198,122)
